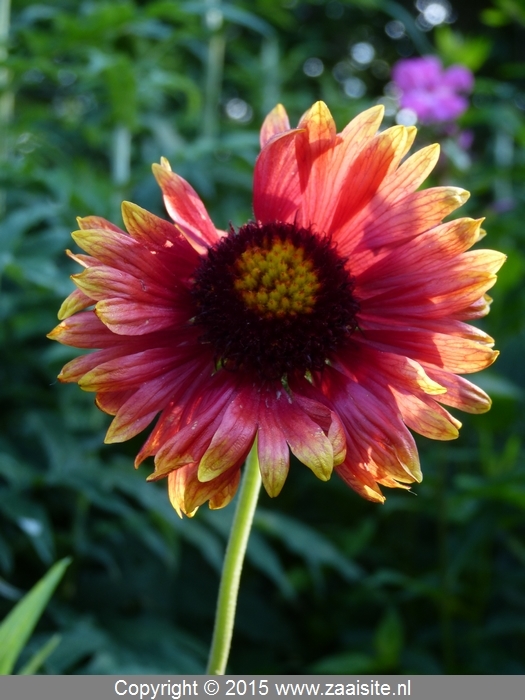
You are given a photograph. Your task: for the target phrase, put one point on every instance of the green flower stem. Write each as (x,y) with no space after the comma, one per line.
(232,567)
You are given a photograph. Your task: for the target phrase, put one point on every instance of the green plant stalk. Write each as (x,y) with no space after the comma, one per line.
(213,84)
(214,69)
(120,164)
(121,155)
(232,567)
(270,73)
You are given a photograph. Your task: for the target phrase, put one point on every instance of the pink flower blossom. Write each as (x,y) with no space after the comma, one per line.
(434,94)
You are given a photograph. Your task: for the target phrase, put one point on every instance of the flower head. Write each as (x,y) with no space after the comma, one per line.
(434,94)
(328,326)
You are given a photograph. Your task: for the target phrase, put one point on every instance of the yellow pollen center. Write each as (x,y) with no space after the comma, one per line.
(276,280)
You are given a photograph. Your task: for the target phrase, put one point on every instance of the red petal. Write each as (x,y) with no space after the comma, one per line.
(396,370)
(122,252)
(310,401)
(111,401)
(409,175)
(426,417)
(428,295)
(75,302)
(83,260)
(364,177)
(376,436)
(191,435)
(129,371)
(186,208)
(223,496)
(313,149)
(275,123)
(187,493)
(84,330)
(357,478)
(97,222)
(379,224)
(455,354)
(152,231)
(141,406)
(125,317)
(440,243)
(273,453)
(306,438)
(147,228)
(74,370)
(234,437)
(103,282)
(460,393)
(276,187)
(329,185)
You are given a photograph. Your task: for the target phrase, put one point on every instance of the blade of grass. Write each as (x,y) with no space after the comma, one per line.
(38,658)
(19,624)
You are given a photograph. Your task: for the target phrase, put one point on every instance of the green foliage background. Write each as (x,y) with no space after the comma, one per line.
(92,93)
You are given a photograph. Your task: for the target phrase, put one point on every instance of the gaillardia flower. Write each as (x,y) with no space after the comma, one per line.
(328,326)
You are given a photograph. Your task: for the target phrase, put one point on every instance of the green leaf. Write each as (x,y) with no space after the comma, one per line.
(266,560)
(346,662)
(453,47)
(121,84)
(494,18)
(306,542)
(389,640)
(17,627)
(499,387)
(506,12)
(36,661)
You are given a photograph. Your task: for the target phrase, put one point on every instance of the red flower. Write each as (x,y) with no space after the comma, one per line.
(328,326)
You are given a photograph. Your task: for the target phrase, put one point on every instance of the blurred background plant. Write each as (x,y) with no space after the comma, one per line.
(94,91)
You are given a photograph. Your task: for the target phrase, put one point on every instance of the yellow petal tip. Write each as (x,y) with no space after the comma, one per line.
(206,473)
(462,195)
(373,495)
